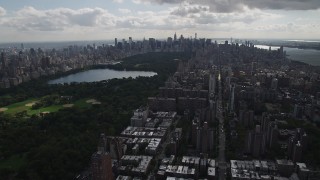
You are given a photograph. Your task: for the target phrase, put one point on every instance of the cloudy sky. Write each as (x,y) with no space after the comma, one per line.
(61,20)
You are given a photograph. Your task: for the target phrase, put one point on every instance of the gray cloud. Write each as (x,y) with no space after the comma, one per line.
(158,1)
(186,10)
(183,17)
(284,4)
(186,16)
(201,14)
(2,11)
(237,5)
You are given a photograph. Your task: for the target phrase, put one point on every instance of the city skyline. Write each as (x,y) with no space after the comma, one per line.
(35,20)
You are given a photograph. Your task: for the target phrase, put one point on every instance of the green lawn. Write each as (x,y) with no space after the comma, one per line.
(21,106)
(14,162)
(82,103)
(5,96)
(53,108)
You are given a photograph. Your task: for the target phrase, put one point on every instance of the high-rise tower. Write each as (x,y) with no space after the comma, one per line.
(212,83)
(231,100)
(101,164)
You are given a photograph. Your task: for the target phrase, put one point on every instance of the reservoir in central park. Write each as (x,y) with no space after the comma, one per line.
(100,75)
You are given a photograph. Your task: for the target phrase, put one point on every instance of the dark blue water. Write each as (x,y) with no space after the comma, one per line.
(309,56)
(99,75)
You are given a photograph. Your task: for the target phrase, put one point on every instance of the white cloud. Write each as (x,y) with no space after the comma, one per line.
(124,11)
(289,30)
(136,1)
(141,2)
(2,11)
(58,19)
(185,17)
(118,1)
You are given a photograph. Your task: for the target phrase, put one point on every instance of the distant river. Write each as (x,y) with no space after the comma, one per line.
(309,56)
(99,75)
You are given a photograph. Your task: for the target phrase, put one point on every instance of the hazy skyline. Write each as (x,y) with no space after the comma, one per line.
(57,20)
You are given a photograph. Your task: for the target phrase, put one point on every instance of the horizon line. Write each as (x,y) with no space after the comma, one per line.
(140,39)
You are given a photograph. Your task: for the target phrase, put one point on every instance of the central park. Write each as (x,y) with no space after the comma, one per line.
(51,130)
